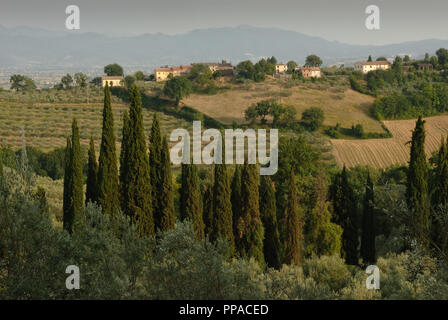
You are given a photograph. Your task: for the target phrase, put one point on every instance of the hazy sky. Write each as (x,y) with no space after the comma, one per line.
(342,20)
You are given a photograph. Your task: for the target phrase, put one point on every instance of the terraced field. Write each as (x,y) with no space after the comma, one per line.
(47,124)
(381,153)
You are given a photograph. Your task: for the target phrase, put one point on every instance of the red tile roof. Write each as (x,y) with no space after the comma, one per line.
(112,77)
(375,63)
(310,68)
(174,68)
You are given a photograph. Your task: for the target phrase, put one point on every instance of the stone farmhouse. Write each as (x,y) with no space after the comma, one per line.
(225,68)
(161,74)
(366,67)
(281,68)
(112,81)
(311,72)
(425,67)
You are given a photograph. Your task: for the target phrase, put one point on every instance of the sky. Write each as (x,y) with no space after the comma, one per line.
(341,20)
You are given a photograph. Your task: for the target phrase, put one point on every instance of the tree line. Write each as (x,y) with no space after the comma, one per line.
(407,94)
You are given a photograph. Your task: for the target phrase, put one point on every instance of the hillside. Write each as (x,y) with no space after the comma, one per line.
(381,153)
(340,104)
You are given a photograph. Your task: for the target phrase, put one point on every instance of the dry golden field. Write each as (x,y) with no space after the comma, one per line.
(339,103)
(381,153)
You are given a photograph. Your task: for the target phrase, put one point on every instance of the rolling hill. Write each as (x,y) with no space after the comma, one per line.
(25,47)
(340,104)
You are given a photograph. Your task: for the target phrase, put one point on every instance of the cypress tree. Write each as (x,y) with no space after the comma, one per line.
(344,207)
(368,227)
(108,194)
(3,207)
(253,232)
(208,210)
(166,196)
(92,174)
(78,178)
(222,207)
(155,164)
(136,185)
(183,193)
(440,193)
(3,251)
(160,168)
(1,189)
(440,198)
(73,180)
(1,178)
(191,199)
(417,183)
(294,227)
(322,237)
(195,203)
(268,208)
(235,198)
(124,166)
(41,197)
(67,205)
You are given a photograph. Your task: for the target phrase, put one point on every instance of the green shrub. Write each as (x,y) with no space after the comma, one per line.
(329,270)
(313,118)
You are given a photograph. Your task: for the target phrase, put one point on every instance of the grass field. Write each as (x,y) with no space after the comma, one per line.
(340,104)
(381,153)
(48,124)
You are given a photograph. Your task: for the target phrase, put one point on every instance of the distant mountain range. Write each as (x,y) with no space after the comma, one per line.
(30,48)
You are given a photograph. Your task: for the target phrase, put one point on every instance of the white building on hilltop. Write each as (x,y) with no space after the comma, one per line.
(112,81)
(281,68)
(366,67)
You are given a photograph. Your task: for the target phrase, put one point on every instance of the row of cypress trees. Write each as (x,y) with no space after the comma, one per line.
(345,215)
(142,188)
(242,211)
